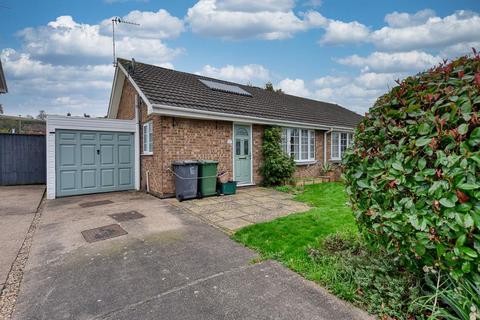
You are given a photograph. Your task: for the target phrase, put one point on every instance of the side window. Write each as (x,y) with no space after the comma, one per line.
(148,138)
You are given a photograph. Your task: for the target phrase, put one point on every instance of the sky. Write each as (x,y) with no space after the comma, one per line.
(57,55)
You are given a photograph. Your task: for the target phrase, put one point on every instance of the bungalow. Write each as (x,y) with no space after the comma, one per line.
(173,115)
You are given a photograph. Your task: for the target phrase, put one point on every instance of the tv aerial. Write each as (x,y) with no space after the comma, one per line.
(118,20)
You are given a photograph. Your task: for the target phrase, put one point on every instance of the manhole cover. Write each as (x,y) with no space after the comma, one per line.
(103,233)
(129,215)
(95,203)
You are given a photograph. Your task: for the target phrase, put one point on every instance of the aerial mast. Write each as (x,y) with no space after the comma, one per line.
(115,21)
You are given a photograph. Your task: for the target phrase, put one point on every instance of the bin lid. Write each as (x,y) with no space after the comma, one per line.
(184,162)
(207,161)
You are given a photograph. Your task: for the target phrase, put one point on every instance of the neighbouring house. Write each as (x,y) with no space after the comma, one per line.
(157,116)
(21,125)
(3,82)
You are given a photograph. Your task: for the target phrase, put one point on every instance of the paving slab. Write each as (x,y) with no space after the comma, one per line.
(170,265)
(18,205)
(249,205)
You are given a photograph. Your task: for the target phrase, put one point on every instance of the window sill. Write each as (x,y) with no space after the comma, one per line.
(305,162)
(147,154)
(335,160)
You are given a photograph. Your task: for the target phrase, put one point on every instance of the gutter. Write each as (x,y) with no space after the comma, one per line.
(212,115)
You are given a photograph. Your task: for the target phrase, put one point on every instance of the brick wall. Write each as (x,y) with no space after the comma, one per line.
(183,139)
(126,110)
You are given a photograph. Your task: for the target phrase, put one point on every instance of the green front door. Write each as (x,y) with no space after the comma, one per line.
(93,162)
(242,136)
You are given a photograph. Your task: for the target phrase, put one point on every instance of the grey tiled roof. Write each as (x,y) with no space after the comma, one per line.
(180,89)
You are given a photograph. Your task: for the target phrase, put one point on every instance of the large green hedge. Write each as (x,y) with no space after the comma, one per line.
(413,174)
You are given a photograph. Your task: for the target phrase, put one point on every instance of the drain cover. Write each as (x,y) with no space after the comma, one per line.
(125,216)
(95,203)
(103,233)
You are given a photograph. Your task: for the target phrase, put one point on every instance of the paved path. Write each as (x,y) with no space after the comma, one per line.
(170,265)
(248,206)
(18,205)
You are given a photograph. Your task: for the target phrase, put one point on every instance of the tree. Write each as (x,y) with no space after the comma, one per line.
(269,87)
(42,115)
(1,109)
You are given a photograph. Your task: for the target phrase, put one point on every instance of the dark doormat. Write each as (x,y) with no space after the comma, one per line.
(103,233)
(95,203)
(125,216)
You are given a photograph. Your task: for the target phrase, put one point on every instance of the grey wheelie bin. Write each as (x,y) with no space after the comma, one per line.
(186,179)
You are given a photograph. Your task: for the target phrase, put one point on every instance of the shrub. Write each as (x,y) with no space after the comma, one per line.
(413,174)
(277,167)
(370,279)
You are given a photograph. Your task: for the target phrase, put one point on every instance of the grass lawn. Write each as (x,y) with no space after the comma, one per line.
(288,238)
(323,245)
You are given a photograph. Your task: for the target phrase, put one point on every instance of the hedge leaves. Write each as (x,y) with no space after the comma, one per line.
(413,174)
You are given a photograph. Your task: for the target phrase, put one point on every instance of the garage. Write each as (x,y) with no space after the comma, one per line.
(86,156)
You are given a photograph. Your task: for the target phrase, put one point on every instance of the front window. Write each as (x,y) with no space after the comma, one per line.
(340,142)
(147,138)
(299,143)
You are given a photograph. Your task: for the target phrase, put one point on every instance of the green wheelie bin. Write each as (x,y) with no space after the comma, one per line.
(207,177)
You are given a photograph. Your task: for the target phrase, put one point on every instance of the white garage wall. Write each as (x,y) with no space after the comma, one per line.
(92,124)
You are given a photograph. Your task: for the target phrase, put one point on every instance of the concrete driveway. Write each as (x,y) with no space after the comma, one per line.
(18,205)
(170,265)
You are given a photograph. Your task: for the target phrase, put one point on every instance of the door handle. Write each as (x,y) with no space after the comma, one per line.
(98,151)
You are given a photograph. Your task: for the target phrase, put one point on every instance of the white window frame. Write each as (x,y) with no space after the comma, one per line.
(338,144)
(147,134)
(287,145)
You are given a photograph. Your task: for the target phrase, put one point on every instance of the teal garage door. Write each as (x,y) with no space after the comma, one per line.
(93,162)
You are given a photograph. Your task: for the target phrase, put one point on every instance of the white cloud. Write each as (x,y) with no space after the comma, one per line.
(413,61)
(357,93)
(403,19)
(242,19)
(154,25)
(435,32)
(35,85)
(339,32)
(294,87)
(243,74)
(65,65)
(255,5)
(382,81)
(69,42)
(328,81)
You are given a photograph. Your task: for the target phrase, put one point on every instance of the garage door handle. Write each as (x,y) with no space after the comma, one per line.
(98,151)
